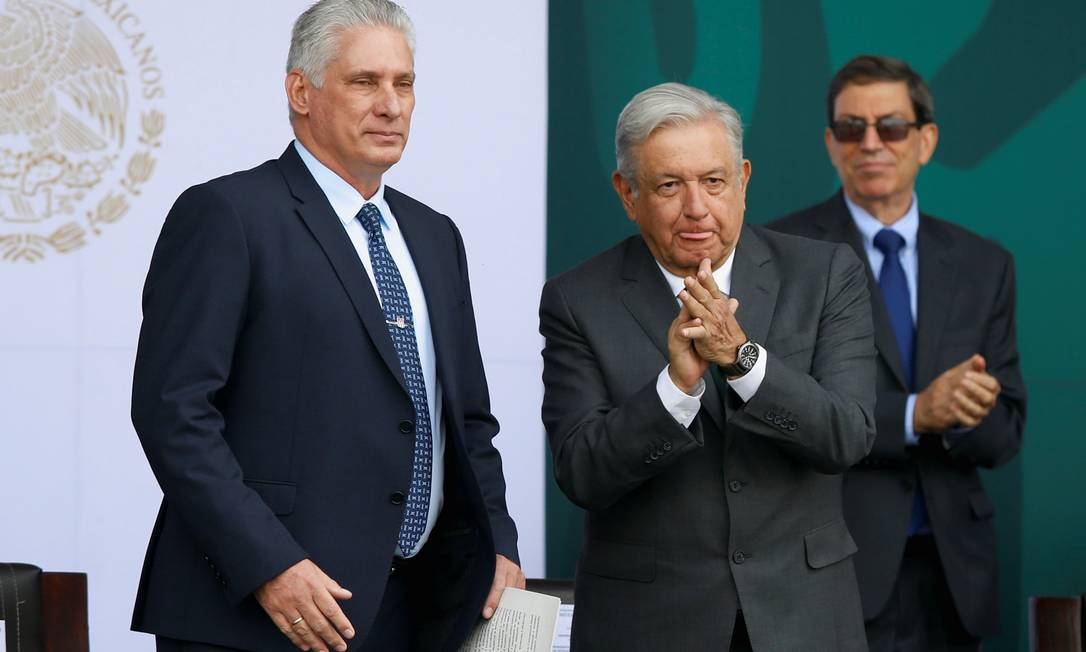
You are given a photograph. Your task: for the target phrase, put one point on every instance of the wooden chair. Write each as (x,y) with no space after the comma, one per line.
(43,612)
(1055,624)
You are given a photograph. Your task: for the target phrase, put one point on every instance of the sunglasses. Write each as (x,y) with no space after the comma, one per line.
(889,128)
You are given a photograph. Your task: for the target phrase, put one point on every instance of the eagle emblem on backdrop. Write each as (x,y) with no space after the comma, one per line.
(74,147)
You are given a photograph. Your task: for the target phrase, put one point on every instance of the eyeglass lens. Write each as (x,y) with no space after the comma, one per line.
(890,129)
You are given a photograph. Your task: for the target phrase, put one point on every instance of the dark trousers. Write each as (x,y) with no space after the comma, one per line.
(920,615)
(740,636)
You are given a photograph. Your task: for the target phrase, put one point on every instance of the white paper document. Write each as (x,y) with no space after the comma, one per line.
(523,622)
(564,628)
(3,638)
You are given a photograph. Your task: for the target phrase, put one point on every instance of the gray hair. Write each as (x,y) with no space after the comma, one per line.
(314,41)
(667,105)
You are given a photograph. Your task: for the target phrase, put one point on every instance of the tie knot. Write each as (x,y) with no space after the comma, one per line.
(370,216)
(889,242)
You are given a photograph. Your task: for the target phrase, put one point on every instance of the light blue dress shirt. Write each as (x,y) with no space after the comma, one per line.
(347,202)
(907,227)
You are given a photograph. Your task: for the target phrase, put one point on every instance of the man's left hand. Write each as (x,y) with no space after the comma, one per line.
(719,337)
(506,573)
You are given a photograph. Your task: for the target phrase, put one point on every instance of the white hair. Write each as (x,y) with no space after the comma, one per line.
(666,105)
(314,41)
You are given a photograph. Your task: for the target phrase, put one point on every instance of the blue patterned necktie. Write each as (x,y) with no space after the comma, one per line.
(895,294)
(401,326)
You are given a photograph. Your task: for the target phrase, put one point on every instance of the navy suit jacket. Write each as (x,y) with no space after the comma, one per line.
(269,401)
(965,305)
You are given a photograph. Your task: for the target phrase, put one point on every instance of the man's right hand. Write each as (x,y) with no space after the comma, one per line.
(961,396)
(686,366)
(304,591)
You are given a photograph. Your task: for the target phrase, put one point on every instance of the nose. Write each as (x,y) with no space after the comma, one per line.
(694,205)
(871,140)
(387,102)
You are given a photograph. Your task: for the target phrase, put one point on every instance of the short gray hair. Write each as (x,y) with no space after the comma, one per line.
(667,105)
(314,41)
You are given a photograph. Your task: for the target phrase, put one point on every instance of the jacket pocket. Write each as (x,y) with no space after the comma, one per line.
(828,544)
(980,505)
(278,496)
(621,561)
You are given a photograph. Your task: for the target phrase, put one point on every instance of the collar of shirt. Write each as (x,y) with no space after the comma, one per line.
(722,275)
(345,200)
(869,225)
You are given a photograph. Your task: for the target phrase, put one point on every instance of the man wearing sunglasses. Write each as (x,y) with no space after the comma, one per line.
(950,393)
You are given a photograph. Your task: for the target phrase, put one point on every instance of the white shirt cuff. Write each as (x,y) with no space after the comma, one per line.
(680,405)
(910,406)
(747,384)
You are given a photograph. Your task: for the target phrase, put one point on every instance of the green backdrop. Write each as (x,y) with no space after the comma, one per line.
(1010,101)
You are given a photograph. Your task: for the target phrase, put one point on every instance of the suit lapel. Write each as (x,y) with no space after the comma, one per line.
(937,276)
(433,268)
(755,283)
(326,228)
(649,300)
(837,224)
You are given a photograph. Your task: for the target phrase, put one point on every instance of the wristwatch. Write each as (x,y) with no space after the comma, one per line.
(745,358)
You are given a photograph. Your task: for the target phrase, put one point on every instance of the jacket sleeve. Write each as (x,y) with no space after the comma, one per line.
(194,306)
(824,416)
(999,436)
(480,426)
(602,448)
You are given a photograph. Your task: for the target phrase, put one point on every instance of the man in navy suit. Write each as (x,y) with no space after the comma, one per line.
(950,393)
(308,386)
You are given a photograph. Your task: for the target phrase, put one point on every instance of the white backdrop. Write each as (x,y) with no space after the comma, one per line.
(75,489)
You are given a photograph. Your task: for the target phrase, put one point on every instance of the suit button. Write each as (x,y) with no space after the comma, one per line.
(407,427)
(654,456)
(396,498)
(736,486)
(667,445)
(648,460)
(739,556)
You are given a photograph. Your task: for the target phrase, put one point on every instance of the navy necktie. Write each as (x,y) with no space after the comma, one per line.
(401,326)
(895,294)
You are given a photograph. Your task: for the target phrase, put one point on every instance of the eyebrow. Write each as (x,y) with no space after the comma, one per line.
(356,74)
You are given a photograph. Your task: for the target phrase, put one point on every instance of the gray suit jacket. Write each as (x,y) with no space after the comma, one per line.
(744,506)
(965,305)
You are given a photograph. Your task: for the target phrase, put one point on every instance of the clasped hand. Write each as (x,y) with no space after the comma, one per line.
(705,330)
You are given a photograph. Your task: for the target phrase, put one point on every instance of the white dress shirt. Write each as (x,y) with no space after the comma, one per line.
(682,406)
(347,202)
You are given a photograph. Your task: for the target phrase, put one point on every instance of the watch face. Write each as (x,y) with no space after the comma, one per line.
(747,356)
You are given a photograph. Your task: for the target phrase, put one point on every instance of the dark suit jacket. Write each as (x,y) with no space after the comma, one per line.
(965,305)
(269,400)
(744,506)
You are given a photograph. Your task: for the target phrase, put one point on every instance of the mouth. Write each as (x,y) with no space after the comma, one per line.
(695,236)
(873,166)
(385,136)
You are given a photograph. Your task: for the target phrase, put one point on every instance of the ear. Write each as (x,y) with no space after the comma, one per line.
(297,88)
(929,138)
(828,137)
(625,194)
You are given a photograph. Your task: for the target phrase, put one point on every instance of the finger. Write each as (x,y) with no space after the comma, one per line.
(693,306)
(323,634)
(968,405)
(962,418)
(494,596)
(332,611)
(986,381)
(708,281)
(308,640)
(282,623)
(979,393)
(695,287)
(977,363)
(694,332)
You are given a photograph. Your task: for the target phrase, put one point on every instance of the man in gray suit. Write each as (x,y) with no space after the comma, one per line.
(706,383)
